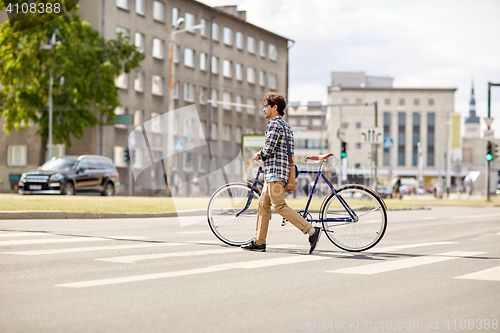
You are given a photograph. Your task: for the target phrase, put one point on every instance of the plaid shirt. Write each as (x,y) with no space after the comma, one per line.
(274,153)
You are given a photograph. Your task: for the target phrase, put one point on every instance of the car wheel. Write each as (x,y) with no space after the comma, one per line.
(68,189)
(109,190)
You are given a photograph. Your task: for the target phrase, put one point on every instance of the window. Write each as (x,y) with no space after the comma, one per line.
(262,78)
(304,122)
(17,155)
(158,11)
(401,137)
(139,82)
(226,134)
(237,134)
(140,6)
(122,4)
(175,16)
(251,45)
(387,134)
(401,101)
(122,81)
(214,132)
(120,110)
(190,21)
(250,131)
(227,36)
(251,106)
(262,49)
(188,127)
(188,57)
(158,48)
(292,121)
(273,52)
(215,62)
(157,85)
(226,68)
(215,31)
(250,75)
(358,101)
(239,72)
(189,92)
(201,163)
(118,159)
(203,129)
(203,95)
(416,101)
(138,117)
(345,101)
(155,122)
(387,101)
(346,125)
(272,81)
(187,163)
(137,163)
(176,89)
(203,61)
(358,125)
(416,137)
(123,31)
(316,122)
(239,40)
(177,50)
(139,42)
(214,98)
(239,102)
(176,125)
(431,126)
(358,145)
(203,30)
(431,101)
(227,99)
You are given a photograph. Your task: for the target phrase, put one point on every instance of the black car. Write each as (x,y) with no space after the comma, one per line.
(72,174)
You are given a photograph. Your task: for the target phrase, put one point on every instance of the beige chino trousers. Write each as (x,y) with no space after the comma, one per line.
(273,193)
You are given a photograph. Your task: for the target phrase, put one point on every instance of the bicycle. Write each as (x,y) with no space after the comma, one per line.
(353,217)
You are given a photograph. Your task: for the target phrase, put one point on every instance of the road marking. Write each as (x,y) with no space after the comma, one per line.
(429,218)
(94,248)
(145,277)
(210,269)
(53,240)
(136,258)
(23,234)
(409,246)
(490,274)
(404,263)
(193,232)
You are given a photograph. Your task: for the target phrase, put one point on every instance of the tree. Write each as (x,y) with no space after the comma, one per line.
(83,64)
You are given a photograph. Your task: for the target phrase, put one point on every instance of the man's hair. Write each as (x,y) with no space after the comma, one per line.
(273,98)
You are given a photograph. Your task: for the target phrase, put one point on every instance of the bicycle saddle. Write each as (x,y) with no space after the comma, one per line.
(318,157)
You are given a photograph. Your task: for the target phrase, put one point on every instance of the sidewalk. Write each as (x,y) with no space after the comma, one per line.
(75,215)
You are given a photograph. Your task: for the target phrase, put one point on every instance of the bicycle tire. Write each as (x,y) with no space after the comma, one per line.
(362,234)
(226,201)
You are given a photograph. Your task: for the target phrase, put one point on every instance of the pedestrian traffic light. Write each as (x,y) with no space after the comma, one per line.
(489,151)
(126,155)
(343,149)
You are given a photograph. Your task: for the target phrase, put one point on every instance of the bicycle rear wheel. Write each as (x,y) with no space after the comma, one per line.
(370,227)
(225,203)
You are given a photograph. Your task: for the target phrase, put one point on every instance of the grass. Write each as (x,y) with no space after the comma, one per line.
(119,204)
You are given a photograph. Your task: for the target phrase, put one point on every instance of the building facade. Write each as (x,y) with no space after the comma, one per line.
(227,66)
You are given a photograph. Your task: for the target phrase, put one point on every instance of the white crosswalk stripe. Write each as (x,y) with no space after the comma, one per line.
(490,274)
(23,234)
(409,246)
(393,265)
(53,240)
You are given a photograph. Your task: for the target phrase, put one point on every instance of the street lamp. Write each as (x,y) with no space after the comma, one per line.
(171,85)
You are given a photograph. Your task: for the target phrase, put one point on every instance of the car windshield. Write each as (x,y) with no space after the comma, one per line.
(58,164)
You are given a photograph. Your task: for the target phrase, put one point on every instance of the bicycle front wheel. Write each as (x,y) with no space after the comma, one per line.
(225,203)
(362,234)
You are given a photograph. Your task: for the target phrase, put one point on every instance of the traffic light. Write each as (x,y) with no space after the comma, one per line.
(494,150)
(489,151)
(343,149)
(126,155)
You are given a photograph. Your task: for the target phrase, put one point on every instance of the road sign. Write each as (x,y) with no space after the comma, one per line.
(341,134)
(488,121)
(388,143)
(123,119)
(179,146)
(370,135)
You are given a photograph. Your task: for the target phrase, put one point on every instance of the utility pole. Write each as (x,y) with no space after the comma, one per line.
(489,133)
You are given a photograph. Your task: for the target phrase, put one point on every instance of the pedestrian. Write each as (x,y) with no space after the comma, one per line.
(276,168)
(395,191)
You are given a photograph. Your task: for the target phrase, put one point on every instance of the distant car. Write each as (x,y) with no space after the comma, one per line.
(384,191)
(70,175)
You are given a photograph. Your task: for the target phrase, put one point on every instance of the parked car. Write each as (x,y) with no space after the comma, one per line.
(72,174)
(384,191)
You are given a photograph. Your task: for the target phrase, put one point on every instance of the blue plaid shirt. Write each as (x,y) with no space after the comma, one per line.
(274,153)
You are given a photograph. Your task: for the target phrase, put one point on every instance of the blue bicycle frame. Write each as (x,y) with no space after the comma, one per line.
(352,214)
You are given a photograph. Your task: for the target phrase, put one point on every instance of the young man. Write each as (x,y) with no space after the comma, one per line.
(276,167)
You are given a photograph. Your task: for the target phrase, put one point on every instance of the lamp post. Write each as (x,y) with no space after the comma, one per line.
(171,85)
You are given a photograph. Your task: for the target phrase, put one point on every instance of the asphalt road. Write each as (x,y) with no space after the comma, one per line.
(435,270)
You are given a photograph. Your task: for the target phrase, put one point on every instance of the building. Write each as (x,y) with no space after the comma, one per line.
(246,62)
(402,118)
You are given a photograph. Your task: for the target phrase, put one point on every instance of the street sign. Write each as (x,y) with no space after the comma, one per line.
(341,134)
(123,119)
(488,121)
(179,146)
(370,135)
(388,143)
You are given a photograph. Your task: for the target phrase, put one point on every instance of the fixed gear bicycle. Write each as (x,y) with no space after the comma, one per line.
(353,217)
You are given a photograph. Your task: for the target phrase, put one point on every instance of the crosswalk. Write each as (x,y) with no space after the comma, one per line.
(277,255)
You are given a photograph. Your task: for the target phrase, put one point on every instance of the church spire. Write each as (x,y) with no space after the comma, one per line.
(472,107)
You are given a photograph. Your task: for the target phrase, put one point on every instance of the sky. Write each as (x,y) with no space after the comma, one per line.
(421,44)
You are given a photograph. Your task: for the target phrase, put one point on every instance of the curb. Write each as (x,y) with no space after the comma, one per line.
(90,215)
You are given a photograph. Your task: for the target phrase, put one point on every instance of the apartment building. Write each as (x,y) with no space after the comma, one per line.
(244,62)
(405,117)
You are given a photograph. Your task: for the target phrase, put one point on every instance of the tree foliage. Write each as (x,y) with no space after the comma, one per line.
(83,64)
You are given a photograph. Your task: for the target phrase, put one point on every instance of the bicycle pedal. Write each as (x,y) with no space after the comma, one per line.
(283,222)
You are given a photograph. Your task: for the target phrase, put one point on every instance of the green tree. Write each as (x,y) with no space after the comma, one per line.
(83,64)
